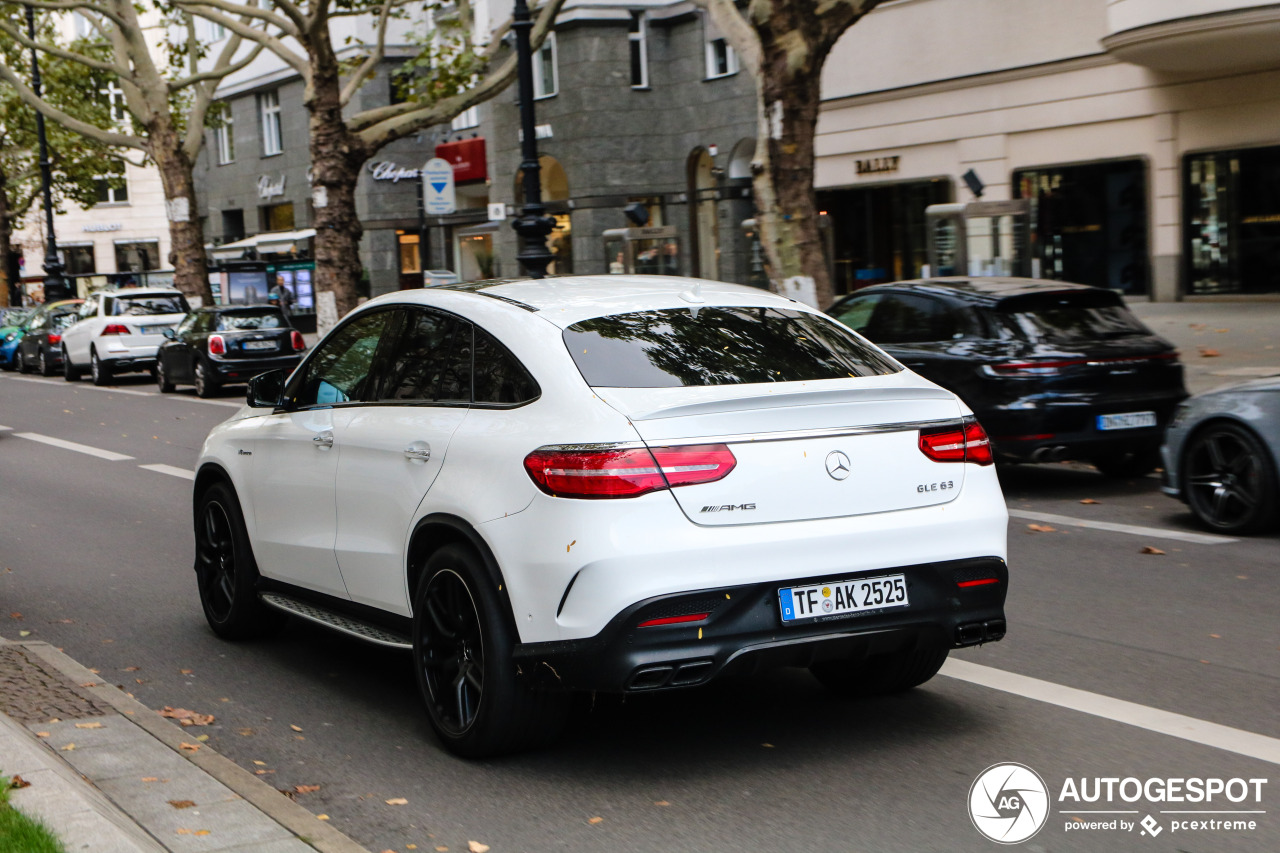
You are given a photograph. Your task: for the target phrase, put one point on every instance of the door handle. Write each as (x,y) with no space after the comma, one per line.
(418,451)
(322,441)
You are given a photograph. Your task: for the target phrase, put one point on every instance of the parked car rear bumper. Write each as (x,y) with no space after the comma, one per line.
(243,369)
(1025,429)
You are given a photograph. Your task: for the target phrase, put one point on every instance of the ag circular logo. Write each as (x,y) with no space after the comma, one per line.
(1008,803)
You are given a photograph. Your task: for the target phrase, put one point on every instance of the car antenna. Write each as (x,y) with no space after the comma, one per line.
(693,294)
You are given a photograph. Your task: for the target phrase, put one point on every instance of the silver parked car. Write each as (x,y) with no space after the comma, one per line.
(1220,456)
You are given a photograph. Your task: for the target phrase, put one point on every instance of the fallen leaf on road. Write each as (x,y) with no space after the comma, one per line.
(68,748)
(767,745)
(185,717)
(411,847)
(306,789)
(1209,352)
(290,794)
(296,728)
(1216,636)
(95,671)
(263,772)
(42,734)
(186,671)
(90,684)
(188,747)
(397,801)
(132,668)
(322,817)
(182,831)
(477,847)
(15,615)
(202,738)
(1087,501)
(441,849)
(201,832)
(182,804)
(260,763)
(1222,330)
(150,778)
(1149,550)
(17,782)
(1196,326)
(1041,528)
(662,803)
(245,732)
(24,633)
(594,820)
(88,725)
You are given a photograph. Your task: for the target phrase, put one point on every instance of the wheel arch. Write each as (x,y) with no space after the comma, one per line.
(433,532)
(209,474)
(1210,422)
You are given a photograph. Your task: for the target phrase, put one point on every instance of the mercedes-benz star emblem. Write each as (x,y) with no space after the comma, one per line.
(837,465)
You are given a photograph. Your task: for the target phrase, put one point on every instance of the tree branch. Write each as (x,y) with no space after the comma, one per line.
(375,56)
(218,72)
(293,59)
(74,5)
(94,132)
(87,61)
(244,10)
(736,30)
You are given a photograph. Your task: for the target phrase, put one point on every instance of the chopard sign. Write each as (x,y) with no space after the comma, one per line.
(385,170)
(269,187)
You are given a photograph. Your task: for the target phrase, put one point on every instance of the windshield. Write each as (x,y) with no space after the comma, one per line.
(1066,318)
(260,319)
(146,304)
(62,321)
(718,346)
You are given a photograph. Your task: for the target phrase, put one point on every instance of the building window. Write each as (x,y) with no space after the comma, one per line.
(83,26)
(225,134)
(114,97)
(232,225)
(545,75)
(138,256)
(639,38)
(269,118)
(467,119)
(79,259)
(1231,221)
(113,188)
(210,31)
(277,217)
(722,59)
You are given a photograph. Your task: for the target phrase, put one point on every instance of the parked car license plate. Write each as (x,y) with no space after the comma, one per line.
(258,345)
(153,330)
(842,597)
(1127,420)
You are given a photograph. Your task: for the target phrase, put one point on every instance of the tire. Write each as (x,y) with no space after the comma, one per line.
(463,638)
(43,365)
(1133,462)
(99,371)
(878,675)
(1229,479)
(70,372)
(206,385)
(162,381)
(19,361)
(226,572)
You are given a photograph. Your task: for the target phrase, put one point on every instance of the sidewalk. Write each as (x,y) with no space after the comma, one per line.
(109,775)
(1222,343)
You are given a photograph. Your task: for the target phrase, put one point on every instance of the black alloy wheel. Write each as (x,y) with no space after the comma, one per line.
(206,386)
(19,362)
(98,372)
(225,569)
(1229,479)
(44,365)
(70,372)
(162,380)
(477,701)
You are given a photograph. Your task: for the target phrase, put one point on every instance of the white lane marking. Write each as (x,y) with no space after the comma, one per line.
(1203,732)
(170,470)
(1134,529)
(5,428)
(64,384)
(109,455)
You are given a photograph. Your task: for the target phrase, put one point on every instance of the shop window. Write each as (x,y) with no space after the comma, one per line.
(224,134)
(702,198)
(475,257)
(113,187)
(277,217)
(722,59)
(546,81)
(79,259)
(269,123)
(410,246)
(1232,221)
(232,225)
(138,256)
(638,35)
(555,188)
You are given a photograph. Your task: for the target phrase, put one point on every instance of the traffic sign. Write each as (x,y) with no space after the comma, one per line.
(438,195)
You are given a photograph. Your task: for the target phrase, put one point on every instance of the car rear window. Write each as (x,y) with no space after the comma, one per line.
(718,346)
(1065,317)
(62,321)
(259,318)
(146,304)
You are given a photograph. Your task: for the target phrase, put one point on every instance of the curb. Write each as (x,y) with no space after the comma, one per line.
(250,788)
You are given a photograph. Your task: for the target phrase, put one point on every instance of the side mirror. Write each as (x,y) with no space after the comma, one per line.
(170,334)
(266,390)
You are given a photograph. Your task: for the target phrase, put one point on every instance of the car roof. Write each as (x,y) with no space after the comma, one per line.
(218,309)
(981,289)
(142,291)
(564,300)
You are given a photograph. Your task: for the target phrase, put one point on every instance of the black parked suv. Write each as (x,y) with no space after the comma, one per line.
(1052,370)
(227,344)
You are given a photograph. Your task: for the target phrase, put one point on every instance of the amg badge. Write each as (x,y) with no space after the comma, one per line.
(728,507)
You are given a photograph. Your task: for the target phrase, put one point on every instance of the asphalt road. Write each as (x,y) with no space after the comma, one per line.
(96,553)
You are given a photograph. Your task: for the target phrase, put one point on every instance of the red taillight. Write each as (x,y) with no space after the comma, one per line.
(966,443)
(217,346)
(626,473)
(673,620)
(55,339)
(1048,367)
(295,338)
(979,582)
(115,329)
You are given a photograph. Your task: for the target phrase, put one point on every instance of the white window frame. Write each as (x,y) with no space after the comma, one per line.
(224,135)
(638,39)
(543,88)
(116,107)
(730,55)
(84,27)
(269,118)
(123,175)
(467,119)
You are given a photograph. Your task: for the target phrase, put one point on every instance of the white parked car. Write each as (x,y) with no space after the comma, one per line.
(603,483)
(119,331)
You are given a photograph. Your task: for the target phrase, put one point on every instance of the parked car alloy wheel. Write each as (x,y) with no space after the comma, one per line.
(1229,481)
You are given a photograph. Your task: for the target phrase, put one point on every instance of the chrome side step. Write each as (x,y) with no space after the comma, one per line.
(336,621)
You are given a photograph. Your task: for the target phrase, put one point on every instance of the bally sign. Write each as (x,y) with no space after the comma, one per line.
(877,165)
(385,170)
(467,156)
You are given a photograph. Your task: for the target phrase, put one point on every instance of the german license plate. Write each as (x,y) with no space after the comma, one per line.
(153,330)
(837,598)
(1127,420)
(258,345)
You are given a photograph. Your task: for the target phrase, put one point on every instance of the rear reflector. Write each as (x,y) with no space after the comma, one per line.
(673,620)
(115,329)
(966,443)
(217,345)
(626,473)
(980,582)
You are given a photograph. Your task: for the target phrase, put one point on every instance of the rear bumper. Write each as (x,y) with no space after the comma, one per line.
(744,630)
(244,369)
(129,363)
(1024,429)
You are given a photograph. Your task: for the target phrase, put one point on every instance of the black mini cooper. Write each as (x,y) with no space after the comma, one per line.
(1052,370)
(225,345)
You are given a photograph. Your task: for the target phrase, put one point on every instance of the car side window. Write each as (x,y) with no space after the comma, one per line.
(340,370)
(499,378)
(856,312)
(187,324)
(89,308)
(906,318)
(431,361)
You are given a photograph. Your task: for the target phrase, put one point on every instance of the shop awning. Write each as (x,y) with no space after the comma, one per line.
(267,243)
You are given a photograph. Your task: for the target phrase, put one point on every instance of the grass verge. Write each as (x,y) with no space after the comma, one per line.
(19,833)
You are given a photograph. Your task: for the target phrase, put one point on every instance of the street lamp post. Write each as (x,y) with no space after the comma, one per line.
(533,225)
(55,284)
